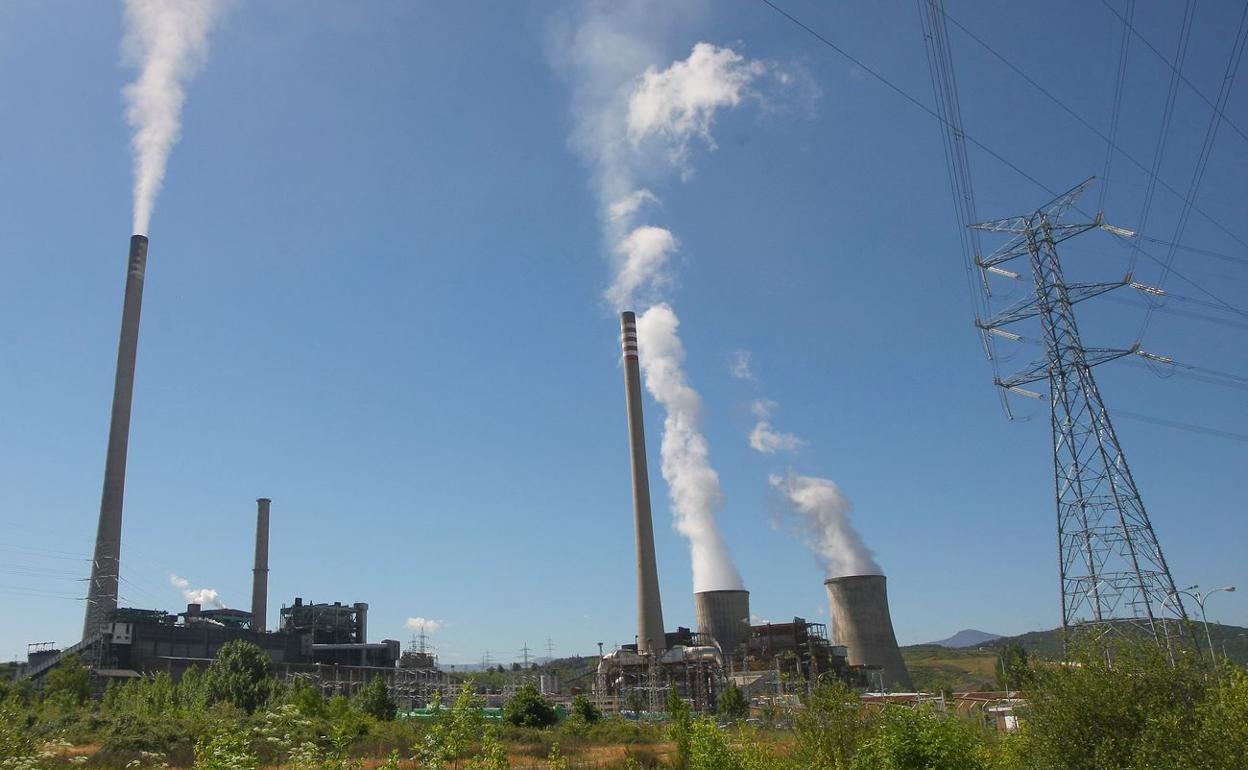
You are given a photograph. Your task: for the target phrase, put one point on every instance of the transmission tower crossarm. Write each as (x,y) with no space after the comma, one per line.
(1034,306)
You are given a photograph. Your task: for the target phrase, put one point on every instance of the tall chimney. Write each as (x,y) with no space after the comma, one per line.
(106,564)
(260,574)
(650,633)
(861,622)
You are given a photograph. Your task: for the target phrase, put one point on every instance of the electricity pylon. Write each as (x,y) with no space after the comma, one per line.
(1113,574)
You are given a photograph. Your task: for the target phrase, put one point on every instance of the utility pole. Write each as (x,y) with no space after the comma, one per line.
(1112,573)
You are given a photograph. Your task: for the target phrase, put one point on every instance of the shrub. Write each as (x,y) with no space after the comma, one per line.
(240,675)
(905,738)
(529,708)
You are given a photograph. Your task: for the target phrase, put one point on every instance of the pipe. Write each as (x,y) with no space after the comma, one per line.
(260,573)
(106,564)
(650,634)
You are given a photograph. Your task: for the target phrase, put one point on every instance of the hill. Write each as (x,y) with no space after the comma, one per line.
(967,637)
(934,666)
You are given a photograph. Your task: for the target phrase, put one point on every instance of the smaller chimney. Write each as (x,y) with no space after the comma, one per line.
(260,575)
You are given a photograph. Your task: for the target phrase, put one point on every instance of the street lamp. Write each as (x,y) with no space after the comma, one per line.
(1200,598)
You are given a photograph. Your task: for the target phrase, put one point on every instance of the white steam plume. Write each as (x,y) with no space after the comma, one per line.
(693,483)
(427,625)
(201,596)
(167,40)
(679,103)
(825,525)
(765,438)
(633,120)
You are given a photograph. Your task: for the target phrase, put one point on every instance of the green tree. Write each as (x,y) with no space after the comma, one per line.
(906,738)
(732,704)
(680,729)
(830,727)
(585,710)
(239,675)
(493,754)
(709,748)
(529,708)
(454,731)
(1013,667)
(1118,708)
(374,699)
(69,682)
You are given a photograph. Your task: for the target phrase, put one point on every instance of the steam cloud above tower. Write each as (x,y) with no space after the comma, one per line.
(167,40)
(634,119)
(822,509)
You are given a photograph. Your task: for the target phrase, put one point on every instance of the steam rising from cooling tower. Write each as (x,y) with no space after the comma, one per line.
(825,525)
(167,39)
(631,117)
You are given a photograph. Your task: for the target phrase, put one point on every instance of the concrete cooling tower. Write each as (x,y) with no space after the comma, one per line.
(861,622)
(725,617)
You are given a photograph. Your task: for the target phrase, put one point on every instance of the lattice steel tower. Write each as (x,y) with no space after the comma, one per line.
(1113,574)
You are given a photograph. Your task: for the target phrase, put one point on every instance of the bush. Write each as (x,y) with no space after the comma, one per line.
(374,699)
(529,708)
(240,675)
(732,703)
(583,708)
(905,738)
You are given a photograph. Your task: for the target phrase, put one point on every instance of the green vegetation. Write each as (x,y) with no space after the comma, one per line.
(1127,708)
(528,708)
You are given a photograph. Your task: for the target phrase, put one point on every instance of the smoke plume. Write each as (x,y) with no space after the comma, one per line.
(825,526)
(821,508)
(693,483)
(765,438)
(167,41)
(636,121)
(426,625)
(201,596)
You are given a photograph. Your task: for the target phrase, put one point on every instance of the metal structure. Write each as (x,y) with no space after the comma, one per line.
(862,623)
(260,574)
(649,605)
(724,616)
(1112,570)
(106,562)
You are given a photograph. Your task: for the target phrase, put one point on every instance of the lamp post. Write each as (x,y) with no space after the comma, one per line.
(1200,598)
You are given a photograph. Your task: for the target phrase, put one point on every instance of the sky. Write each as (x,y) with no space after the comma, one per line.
(377,293)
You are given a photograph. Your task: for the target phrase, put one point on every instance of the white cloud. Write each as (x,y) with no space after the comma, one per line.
(823,513)
(766,439)
(679,103)
(629,205)
(428,625)
(644,257)
(201,596)
(741,365)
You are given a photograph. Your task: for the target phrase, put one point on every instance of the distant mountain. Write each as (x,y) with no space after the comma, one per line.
(967,637)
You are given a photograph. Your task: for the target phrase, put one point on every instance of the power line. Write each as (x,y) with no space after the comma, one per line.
(1182,426)
(1206,148)
(1123,49)
(1159,151)
(1222,116)
(1153,178)
(904,94)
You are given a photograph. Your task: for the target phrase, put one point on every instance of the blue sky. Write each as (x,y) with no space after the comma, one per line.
(375,295)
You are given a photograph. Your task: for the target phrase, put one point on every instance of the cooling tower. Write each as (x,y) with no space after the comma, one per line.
(862,623)
(260,574)
(650,633)
(106,564)
(725,617)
